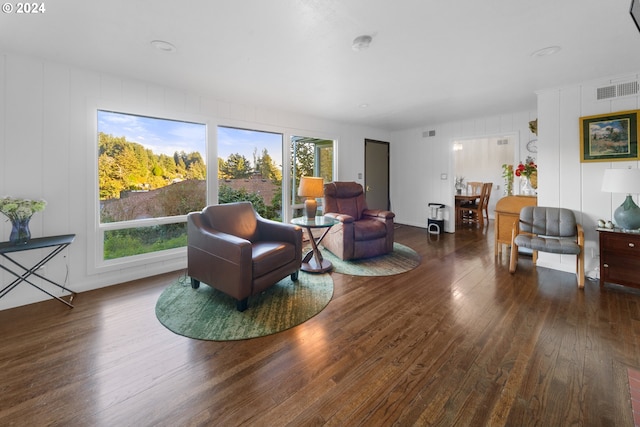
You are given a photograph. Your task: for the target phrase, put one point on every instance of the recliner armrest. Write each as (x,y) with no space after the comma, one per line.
(340,217)
(378,213)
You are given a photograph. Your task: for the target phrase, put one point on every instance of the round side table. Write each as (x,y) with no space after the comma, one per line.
(313,262)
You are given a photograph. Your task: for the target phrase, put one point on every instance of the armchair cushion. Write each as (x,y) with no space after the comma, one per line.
(367,229)
(267,256)
(548,244)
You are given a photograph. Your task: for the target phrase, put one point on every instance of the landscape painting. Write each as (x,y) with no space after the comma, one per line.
(609,137)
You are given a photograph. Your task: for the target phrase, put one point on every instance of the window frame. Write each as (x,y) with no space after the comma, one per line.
(171,259)
(332,142)
(283,153)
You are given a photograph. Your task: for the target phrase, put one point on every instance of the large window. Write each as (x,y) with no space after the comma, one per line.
(250,168)
(151,173)
(309,157)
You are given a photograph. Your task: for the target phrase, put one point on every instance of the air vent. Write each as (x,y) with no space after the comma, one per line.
(617,90)
(503,142)
(426,134)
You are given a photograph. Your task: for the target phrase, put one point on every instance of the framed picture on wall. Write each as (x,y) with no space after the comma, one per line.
(609,137)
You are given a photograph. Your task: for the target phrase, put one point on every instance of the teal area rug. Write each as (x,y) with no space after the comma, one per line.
(402,259)
(208,314)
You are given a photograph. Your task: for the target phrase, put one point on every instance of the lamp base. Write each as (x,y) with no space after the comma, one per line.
(311,207)
(627,216)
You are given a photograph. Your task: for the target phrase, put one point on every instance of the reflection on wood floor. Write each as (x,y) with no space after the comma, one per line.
(456,341)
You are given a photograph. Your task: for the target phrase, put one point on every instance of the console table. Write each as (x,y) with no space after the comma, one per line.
(619,257)
(508,213)
(56,243)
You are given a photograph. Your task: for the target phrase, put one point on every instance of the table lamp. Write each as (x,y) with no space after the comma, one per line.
(311,187)
(626,181)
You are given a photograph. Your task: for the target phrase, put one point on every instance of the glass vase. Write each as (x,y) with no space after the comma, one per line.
(508,186)
(20,233)
(527,188)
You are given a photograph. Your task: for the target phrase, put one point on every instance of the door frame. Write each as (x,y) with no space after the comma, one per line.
(366,172)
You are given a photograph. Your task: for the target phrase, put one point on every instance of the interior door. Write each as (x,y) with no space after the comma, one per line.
(376,174)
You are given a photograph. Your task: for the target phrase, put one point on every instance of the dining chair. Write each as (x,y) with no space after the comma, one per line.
(485,203)
(474,213)
(476,187)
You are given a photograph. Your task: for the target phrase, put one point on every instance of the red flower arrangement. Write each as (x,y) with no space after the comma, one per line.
(526,169)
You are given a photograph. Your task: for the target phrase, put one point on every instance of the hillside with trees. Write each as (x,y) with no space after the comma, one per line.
(137,183)
(127,166)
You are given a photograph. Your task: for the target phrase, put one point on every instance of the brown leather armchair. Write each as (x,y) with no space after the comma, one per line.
(233,249)
(362,232)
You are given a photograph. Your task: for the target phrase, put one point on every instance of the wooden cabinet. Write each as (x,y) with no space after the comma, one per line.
(507,213)
(619,258)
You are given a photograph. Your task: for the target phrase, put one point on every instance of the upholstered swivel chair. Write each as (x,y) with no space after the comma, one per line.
(547,229)
(233,249)
(361,232)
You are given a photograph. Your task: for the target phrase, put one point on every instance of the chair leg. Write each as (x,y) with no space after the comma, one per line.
(580,269)
(513,261)
(242,304)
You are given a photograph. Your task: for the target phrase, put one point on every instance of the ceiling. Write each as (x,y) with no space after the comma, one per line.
(429,61)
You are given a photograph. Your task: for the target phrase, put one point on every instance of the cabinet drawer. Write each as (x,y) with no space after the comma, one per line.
(621,243)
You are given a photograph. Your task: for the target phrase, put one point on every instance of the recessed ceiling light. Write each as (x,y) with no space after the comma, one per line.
(163,46)
(361,42)
(547,51)
(364,105)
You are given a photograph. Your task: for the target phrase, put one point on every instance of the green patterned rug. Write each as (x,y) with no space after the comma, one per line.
(208,314)
(400,260)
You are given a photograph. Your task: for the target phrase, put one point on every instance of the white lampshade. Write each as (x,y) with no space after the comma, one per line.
(626,181)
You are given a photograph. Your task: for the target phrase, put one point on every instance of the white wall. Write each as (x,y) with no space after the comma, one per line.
(45,114)
(417,163)
(46,111)
(565,181)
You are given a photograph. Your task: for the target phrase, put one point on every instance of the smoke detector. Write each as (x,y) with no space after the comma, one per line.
(361,42)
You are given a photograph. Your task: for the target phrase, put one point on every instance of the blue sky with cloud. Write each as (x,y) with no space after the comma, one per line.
(159,135)
(168,136)
(242,141)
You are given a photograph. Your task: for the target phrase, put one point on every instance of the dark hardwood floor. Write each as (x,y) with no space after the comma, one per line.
(456,341)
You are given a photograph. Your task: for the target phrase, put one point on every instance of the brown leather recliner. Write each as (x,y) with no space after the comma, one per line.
(362,232)
(233,249)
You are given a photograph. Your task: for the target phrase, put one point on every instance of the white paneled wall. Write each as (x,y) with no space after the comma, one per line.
(46,146)
(564,180)
(418,162)
(46,111)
